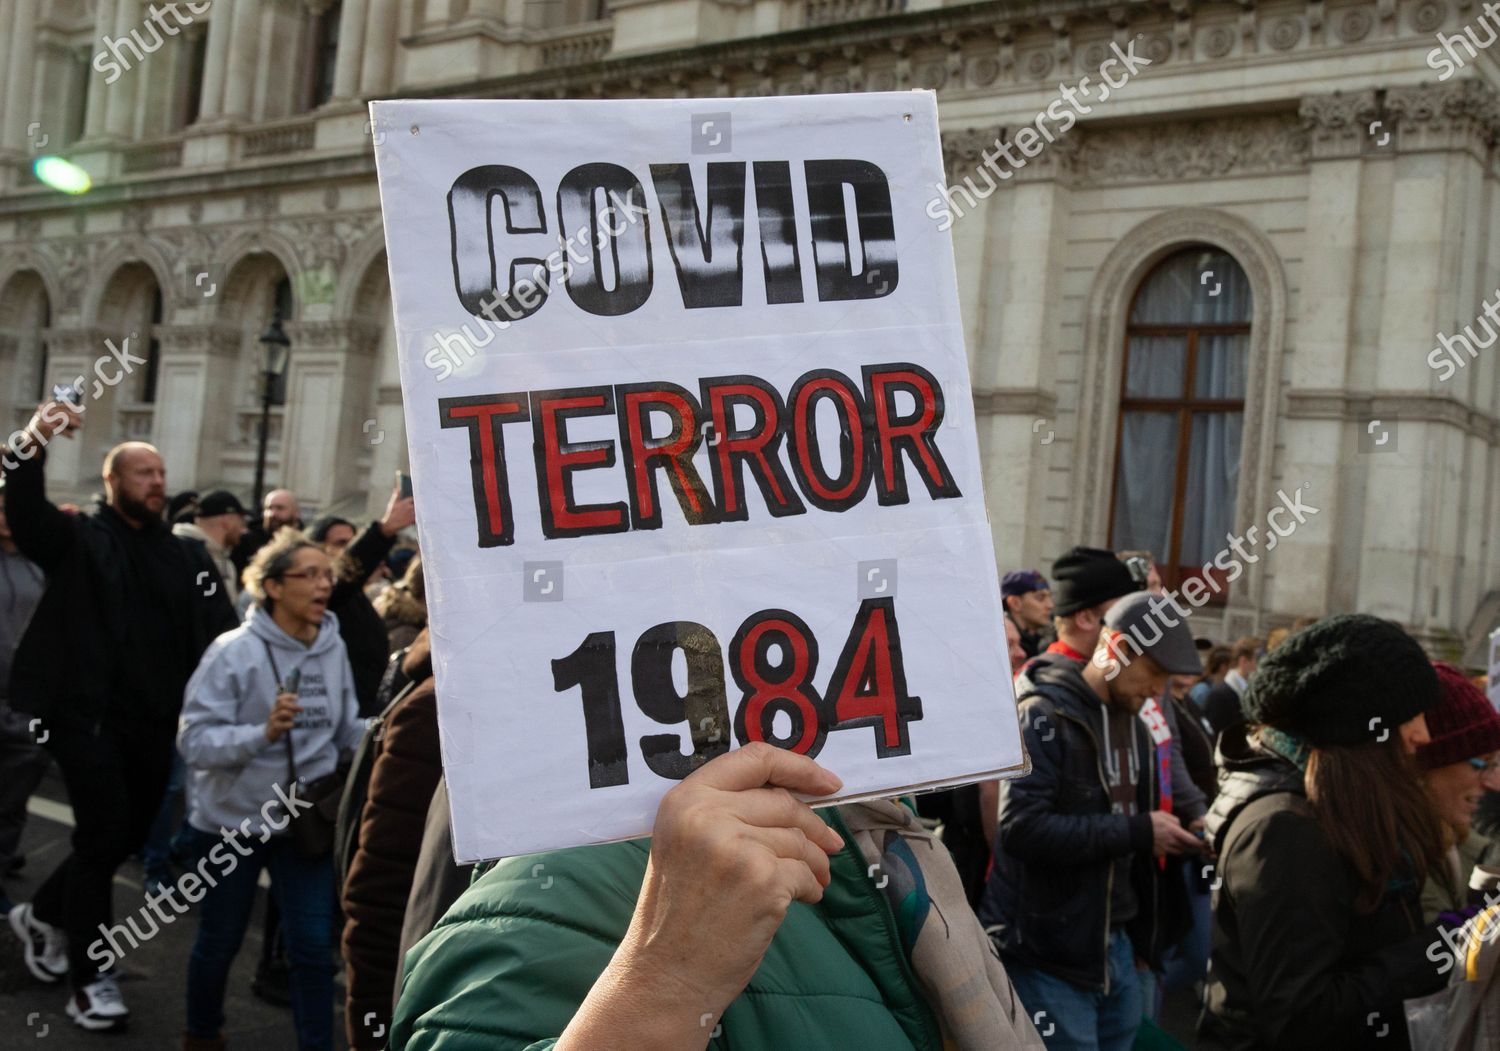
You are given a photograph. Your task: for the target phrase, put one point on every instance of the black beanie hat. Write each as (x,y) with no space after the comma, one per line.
(1083,577)
(1345,680)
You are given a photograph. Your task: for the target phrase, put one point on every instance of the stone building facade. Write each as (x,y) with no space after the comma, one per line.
(1232,275)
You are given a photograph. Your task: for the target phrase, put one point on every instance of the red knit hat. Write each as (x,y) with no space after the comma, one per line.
(1462,725)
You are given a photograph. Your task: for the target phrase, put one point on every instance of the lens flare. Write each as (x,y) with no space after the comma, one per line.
(62,175)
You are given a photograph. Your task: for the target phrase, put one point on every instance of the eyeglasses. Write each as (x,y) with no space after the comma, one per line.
(1484,766)
(312,574)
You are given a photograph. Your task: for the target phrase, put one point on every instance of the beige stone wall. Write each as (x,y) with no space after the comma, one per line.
(1250,130)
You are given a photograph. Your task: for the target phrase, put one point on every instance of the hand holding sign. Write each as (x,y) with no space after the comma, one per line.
(732,848)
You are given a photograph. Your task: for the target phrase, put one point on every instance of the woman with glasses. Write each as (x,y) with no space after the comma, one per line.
(1459,765)
(272,703)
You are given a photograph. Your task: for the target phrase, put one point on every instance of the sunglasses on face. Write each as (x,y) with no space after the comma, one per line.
(1484,765)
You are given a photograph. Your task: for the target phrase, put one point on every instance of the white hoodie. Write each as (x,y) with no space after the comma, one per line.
(232,768)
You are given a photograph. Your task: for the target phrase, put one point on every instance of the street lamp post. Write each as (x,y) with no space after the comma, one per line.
(277,347)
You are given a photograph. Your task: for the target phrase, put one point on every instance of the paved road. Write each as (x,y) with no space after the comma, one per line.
(153,977)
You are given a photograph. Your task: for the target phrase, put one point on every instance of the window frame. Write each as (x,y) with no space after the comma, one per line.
(1184,406)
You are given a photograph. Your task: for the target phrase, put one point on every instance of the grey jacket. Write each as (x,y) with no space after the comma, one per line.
(233,770)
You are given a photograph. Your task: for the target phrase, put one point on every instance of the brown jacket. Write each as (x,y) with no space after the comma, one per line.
(374,896)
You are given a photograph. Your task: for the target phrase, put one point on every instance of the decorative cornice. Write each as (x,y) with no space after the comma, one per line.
(1459,115)
(358,334)
(1196,149)
(1340,125)
(1015,401)
(1359,407)
(214,340)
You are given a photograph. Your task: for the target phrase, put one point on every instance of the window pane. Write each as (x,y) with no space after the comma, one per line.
(1157,367)
(1201,286)
(1220,371)
(1144,478)
(1213,479)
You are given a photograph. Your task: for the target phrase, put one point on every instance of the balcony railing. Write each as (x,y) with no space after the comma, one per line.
(135,422)
(278,139)
(247,427)
(151,157)
(826,12)
(576,45)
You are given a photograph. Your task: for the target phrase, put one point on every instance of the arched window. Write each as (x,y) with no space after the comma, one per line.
(1177,460)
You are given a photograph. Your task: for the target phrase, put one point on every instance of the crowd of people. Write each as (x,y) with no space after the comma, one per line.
(1293,832)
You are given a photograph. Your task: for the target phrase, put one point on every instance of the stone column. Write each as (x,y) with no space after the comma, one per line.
(1318,568)
(120,101)
(1015,341)
(323,433)
(215,61)
(239,76)
(20,67)
(195,377)
(1424,521)
(98,90)
(387,436)
(378,68)
(73,464)
(346,69)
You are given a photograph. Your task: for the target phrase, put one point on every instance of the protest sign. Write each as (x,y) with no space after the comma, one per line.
(694,453)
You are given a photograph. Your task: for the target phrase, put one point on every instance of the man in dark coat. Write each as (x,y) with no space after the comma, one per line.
(1077,892)
(355,558)
(101,669)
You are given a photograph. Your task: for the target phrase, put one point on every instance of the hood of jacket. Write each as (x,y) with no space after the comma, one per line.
(1247,771)
(192,532)
(399,606)
(260,624)
(1063,681)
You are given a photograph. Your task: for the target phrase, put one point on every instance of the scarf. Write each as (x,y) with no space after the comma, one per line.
(954,961)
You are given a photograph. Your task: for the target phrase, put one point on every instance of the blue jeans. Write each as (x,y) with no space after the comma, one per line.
(158,847)
(1187,962)
(1072,1018)
(304,893)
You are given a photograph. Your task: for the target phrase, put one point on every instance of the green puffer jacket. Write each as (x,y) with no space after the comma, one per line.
(511,961)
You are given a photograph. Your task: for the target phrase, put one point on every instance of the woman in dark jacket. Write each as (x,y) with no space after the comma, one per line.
(402,781)
(403,606)
(1325,837)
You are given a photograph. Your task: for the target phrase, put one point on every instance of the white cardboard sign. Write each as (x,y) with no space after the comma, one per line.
(693,448)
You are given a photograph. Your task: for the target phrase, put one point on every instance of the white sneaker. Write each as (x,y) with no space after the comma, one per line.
(98,1005)
(46,946)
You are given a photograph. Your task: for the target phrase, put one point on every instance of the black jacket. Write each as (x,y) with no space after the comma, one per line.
(362,629)
(124,618)
(1197,746)
(1047,904)
(1294,966)
(1222,708)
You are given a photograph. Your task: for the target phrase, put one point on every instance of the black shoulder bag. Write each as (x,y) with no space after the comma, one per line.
(312,830)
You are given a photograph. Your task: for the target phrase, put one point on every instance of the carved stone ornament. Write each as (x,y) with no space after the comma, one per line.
(1286,34)
(1355,25)
(1038,64)
(963,151)
(1191,150)
(1428,15)
(1218,41)
(1338,124)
